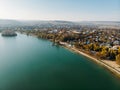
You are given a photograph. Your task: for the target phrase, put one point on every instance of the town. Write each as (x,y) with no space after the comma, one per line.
(101,43)
(99,39)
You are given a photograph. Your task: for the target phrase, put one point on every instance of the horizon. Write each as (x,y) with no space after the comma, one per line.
(64,10)
(59,20)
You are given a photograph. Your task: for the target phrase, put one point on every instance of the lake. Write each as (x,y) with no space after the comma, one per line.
(29,63)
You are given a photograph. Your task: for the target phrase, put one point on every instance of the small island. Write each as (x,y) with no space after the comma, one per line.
(9,33)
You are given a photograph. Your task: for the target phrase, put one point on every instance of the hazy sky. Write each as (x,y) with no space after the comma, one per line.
(75,10)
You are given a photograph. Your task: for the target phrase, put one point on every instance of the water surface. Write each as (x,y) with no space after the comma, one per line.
(29,63)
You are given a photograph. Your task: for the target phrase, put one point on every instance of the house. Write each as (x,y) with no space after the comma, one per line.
(116,42)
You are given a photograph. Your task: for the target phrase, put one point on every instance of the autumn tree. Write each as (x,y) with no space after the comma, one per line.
(118,59)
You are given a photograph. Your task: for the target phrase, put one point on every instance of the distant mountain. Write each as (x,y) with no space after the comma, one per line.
(12,23)
(101,22)
(8,23)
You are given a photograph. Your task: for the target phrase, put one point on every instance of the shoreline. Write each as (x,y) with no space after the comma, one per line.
(106,64)
(109,65)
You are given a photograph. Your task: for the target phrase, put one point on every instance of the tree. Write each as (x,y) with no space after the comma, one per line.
(104,53)
(119,50)
(77,45)
(118,59)
(112,55)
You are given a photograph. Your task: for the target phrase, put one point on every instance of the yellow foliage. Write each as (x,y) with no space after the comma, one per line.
(118,59)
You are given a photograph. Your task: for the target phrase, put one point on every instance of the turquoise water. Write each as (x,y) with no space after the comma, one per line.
(29,63)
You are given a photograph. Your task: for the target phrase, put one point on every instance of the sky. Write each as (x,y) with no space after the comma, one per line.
(69,10)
